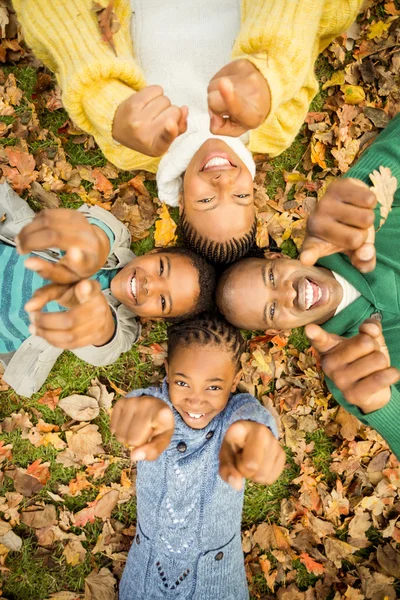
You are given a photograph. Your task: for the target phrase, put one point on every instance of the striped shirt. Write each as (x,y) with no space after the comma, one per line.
(18,284)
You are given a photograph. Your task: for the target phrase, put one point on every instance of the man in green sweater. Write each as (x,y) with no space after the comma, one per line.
(348,281)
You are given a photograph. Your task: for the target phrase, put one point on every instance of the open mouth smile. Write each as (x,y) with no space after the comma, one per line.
(133,288)
(218,163)
(312,292)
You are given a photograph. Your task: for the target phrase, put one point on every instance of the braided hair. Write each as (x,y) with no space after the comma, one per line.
(207,328)
(217,252)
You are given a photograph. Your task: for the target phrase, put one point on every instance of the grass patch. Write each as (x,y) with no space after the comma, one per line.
(321,455)
(262,503)
(298,339)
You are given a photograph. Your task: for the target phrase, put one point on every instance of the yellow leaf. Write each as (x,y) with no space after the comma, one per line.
(376,30)
(336,79)
(318,150)
(165,229)
(385,186)
(353,94)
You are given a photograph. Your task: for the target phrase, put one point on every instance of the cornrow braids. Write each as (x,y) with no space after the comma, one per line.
(217,252)
(207,328)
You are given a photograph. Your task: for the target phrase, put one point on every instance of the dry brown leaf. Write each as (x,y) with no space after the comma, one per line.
(108,22)
(99,391)
(385,186)
(85,441)
(100,585)
(39,517)
(336,550)
(80,408)
(50,398)
(74,553)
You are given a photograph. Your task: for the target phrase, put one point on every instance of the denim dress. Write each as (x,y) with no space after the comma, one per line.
(188,540)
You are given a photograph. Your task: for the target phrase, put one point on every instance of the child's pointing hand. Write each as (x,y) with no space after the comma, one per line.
(359,366)
(145,423)
(86,245)
(147,121)
(239,93)
(343,221)
(250,450)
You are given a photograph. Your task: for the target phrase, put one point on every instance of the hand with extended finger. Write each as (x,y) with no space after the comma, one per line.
(359,366)
(147,121)
(145,423)
(250,450)
(343,221)
(238,91)
(88,322)
(86,245)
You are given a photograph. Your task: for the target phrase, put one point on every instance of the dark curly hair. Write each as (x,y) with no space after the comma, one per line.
(217,252)
(207,328)
(207,282)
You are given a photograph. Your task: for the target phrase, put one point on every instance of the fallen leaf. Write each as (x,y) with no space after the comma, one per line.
(336,550)
(50,398)
(80,408)
(39,470)
(100,585)
(376,30)
(336,79)
(318,150)
(102,184)
(40,517)
(164,234)
(353,94)
(85,441)
(385,186)
(311,565)
(74,553)
(99,391)
(108,22)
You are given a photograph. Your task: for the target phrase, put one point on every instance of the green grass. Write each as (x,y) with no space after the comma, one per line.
(262,503)
(321,455)
(298,339)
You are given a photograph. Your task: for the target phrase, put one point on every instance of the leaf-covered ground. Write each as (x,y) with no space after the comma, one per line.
(328,529)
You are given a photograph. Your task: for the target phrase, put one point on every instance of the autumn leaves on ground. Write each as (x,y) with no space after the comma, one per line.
(327,530)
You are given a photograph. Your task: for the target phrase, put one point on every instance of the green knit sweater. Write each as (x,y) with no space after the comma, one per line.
(380,289)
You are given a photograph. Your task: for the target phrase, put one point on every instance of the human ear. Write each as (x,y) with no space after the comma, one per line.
(274,255)
(235,383)
(166,368)
(181,202)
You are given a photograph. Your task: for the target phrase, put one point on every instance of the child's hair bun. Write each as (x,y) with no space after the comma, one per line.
(207,328)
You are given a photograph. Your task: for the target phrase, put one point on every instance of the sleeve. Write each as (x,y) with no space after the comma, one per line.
(244,407)
(65,35)
(282,38)
(106,229)
(385,420)
(126,335)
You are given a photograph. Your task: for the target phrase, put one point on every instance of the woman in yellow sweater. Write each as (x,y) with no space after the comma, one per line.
(244,68)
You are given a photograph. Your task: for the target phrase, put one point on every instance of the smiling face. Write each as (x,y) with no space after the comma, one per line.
(158,284)
(284,294)
(201,379)
(218,195)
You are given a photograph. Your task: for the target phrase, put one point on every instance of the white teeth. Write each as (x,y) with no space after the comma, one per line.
(309,294)
(133,286)
(193,416)
(217,161)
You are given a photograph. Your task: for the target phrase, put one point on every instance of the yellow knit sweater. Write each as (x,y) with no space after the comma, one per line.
(282,38)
